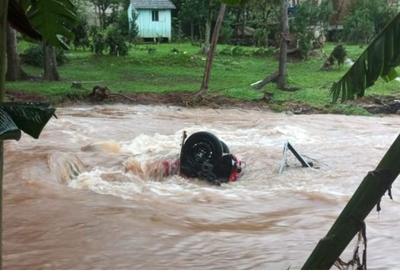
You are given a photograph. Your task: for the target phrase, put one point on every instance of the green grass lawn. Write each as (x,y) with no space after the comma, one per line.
(163,71)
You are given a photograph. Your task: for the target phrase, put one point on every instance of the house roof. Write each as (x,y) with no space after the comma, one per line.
(153,4)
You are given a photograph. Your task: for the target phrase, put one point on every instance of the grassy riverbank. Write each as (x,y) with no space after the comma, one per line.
(176,68)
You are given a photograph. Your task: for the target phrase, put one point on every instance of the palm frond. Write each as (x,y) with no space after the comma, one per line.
(28,117)
(379,59)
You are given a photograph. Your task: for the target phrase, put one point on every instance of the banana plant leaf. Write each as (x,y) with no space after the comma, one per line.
(30,118)
(379,59)
(19,21)
(8,129)
(54,19)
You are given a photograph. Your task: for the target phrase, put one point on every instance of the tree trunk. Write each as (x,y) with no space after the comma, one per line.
(211,52)
(103,15)
(192,31)
(14,70)
(282,82)
(50,63)
(351,220)
(3,38)
(237,25)
(207,34)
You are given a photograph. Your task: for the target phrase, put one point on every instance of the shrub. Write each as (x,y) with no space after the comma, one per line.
(81,33)
(115,41)
(226,51)
(366,19)
(98,43)
(128,29)
(263,52)
(261,37)
(238,51)
(34,56)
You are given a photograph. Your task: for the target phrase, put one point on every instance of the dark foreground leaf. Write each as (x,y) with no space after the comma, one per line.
(28,117)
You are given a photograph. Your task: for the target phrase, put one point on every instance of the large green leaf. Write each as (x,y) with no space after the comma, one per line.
(28,117)
(379,59)
(8,129)
(17,18)
(54,19)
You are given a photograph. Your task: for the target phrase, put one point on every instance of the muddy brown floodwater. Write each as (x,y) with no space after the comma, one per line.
(70,202)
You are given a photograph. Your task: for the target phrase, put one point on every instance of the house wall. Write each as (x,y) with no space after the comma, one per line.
(149,29)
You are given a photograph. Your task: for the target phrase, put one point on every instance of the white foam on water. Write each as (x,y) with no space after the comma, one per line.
(149,148)
(144,147)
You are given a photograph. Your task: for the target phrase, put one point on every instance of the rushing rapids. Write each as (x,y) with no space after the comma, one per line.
(80,196)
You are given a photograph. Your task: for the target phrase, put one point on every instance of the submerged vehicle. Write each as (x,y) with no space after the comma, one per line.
(205,156)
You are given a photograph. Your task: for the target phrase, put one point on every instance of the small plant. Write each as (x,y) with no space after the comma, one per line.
(238,51)
(263,52)
(338,55)
(151,50)
(226,51)
(261,37)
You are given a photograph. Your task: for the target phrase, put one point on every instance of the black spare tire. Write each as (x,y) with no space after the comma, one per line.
(225,148)
(200,154)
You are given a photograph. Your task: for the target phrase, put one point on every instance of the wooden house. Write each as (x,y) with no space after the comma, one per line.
(153,18)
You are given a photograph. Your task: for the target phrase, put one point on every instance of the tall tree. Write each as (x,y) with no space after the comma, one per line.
(282,73)
(211,52)
(280,76)
(50,68)
(102,6)
(213,46)
(207,34)
(14,69)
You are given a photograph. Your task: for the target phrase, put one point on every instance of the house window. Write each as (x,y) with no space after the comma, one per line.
(154,16)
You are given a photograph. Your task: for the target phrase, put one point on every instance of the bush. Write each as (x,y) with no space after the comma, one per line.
(98,43)
(263,52)
(81,33)
(128,29)
(238,51)
(34,56)
(115,41)
(261,37)
(366,19)
(226,32)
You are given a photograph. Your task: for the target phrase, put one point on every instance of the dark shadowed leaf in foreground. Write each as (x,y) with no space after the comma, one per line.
(27,117)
